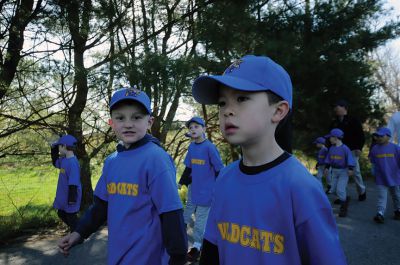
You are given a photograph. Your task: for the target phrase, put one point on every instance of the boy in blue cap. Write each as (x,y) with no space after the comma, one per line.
(342,163)
(69,189)
(267,208)
(136,193)
(203,164)
(320,143)
(385,157)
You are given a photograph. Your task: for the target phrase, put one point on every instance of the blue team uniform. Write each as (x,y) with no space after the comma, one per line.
(139,185)
(386,160)
(69,175)
(277,216)
(204,160)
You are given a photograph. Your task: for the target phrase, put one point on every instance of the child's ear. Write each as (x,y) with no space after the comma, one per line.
(110,122)
(150,122)
(281,111)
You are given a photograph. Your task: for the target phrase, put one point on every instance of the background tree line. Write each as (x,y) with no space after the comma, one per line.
(60,61)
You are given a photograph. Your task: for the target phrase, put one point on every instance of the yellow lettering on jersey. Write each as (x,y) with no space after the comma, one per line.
(384,155)
(278,244)
(266,237)
(321,156)
(223,229)
(123,188)
(235,233)
(198,161)
(62,171)
(255,240)
(111,188)
(336,157)
(245,235)
(135,189)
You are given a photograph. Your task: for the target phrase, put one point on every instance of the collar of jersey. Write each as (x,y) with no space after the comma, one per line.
(249,170)
(147,138)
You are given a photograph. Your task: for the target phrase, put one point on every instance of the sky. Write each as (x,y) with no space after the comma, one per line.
(395,4)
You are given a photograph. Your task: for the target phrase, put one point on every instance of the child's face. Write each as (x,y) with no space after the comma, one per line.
(319,145)
(62,149)
(383,139)
(333,140)
(130,123)
(196,130)
(246,117)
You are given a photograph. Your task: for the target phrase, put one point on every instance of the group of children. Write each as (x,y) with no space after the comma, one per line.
(265,208)
(337,164)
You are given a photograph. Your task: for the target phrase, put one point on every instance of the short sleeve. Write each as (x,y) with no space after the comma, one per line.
(101,187)
(211,231)
(215,158)
(162,185)
(350,159)
(74,174)
(318,240)
(188,159)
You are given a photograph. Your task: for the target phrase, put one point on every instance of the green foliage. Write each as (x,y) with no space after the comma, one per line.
(323,45)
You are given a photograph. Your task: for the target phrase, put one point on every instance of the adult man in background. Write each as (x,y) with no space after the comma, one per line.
(394,127)
(353,138)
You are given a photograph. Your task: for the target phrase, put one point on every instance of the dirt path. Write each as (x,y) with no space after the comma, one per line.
(363,241)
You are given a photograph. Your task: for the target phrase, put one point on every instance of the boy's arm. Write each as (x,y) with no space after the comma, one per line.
(209,253)
(174,236)
(94,217)
(54,154)
(186,178)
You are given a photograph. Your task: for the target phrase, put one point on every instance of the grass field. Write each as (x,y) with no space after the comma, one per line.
(26,197)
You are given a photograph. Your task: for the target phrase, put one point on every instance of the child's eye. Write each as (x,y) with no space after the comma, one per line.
(119,118)
(138,117)
(242,98)
(221,104)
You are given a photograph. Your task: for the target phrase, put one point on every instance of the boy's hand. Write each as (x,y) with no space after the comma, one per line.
(326,171)
(350,172)
(67,242)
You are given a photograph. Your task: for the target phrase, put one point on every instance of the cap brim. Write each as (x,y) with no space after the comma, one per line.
(130,99)
(205,88)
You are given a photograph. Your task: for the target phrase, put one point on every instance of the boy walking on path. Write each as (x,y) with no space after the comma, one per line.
(341,162)
(320,143)
(136,193)
(353,138)
(203,164)
(69,189)
(385,157)
(267,208)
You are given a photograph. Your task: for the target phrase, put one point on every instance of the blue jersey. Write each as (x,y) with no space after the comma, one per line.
(321,156)
(386,159)
(204,160)
(340,157)
(69,175)
(139,185)
(278,216)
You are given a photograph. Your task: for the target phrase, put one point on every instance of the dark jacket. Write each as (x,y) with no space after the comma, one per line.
(353,132)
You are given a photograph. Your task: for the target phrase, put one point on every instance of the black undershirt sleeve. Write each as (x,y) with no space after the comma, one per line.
(94,217)
(209,253)
(72,194)
(174,236)
(186,179)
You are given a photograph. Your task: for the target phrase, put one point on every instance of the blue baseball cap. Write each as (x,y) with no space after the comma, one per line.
(383,131)
(250,73)
(67,140)
(320,140)
(131,93)
(336,133)
(197,120)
